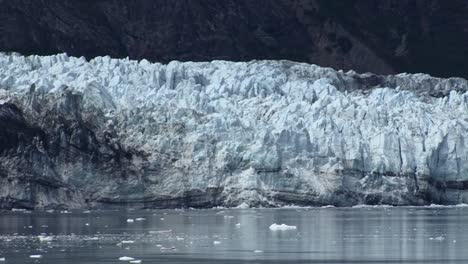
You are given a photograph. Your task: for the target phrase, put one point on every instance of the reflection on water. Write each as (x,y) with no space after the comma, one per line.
(323,235)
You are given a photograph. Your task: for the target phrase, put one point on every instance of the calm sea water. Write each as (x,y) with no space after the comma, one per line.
(323,235)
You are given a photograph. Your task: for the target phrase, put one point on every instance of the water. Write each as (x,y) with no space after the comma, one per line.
(323,235)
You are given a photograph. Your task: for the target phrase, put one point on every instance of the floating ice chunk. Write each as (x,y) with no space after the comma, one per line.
(160,231)
(282,227)
(87,224)
(135,261)
(439,238)
(228,216)
(258,251)
(128,242)
(436,206)
(243,206)
(238,225)
(162,219)
(140,219)
(45,238)
(86,212)
(130,220)
(2,259)
(373,206)
(328,206)
(216,242)
(35,256)
(125,258)
(18,210)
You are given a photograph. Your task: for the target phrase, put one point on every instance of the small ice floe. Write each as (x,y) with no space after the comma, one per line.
(238,225)
(86,212)
(216,242)
(130,220)
(328,206)
(64,212)
(220,212)
(439,238)
(258,251)
(140,219)
(45,238)
(454,241)
(128,242)
(435,206)
(167,248)
(87,224)
(162,218)
(135,261)
(158,245)
(180,238)
(18,210)
(282,227)
(2,259)
(160,231)
(125,258)
(243,206)
(229,216)
(35,256)
(381,206)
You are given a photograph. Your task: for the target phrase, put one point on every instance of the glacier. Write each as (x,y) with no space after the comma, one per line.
(117,132)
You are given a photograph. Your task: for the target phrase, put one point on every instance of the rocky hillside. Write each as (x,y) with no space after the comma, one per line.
(383,37)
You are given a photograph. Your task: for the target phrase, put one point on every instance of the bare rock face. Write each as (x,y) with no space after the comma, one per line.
(382,37)
(112,132)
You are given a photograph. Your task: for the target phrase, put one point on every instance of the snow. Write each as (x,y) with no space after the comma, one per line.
(282,227)
(259,128)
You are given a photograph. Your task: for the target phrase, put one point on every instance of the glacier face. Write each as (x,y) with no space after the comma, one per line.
(112,132)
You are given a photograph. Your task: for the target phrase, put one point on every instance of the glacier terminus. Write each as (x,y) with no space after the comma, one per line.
(116,132)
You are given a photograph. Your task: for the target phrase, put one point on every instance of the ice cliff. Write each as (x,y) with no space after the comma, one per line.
(112,132)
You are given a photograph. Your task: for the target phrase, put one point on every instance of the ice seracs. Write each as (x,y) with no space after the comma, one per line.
(259,133)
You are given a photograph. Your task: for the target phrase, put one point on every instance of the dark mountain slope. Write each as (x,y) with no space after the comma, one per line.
(378,36)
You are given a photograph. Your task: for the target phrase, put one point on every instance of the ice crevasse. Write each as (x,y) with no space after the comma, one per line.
(111,132)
